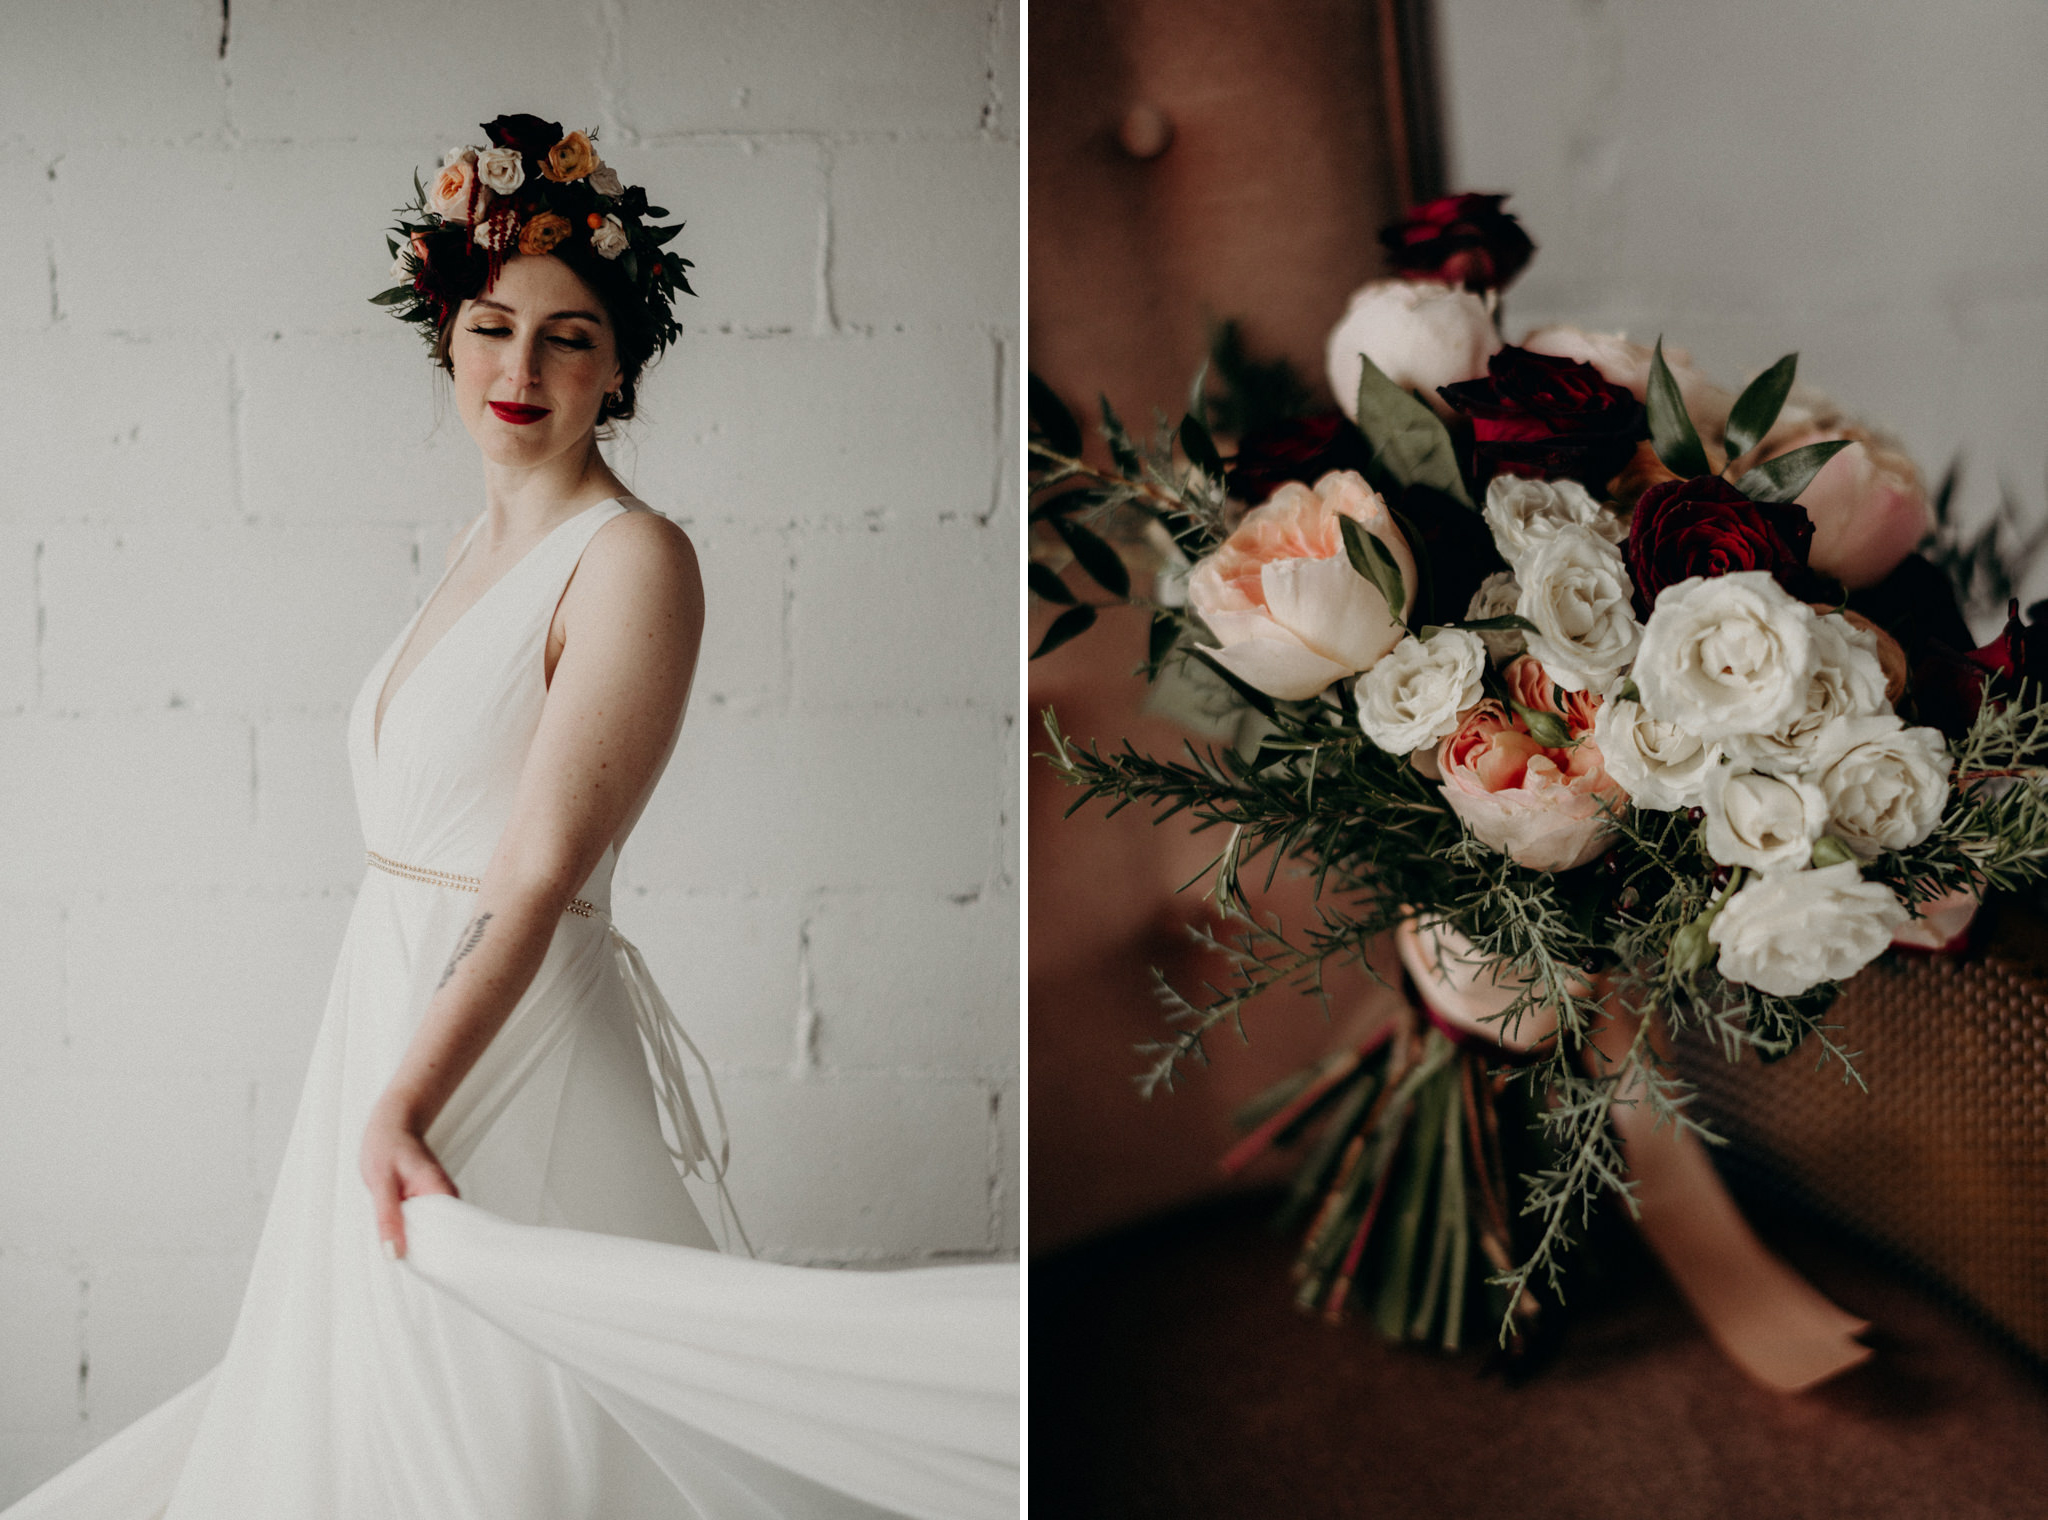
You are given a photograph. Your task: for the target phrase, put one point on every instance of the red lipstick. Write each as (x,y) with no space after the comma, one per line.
(517,415)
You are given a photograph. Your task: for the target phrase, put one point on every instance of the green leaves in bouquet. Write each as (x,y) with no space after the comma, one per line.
(1102,563)
(1758,406)
(1411,445)
(1783,478)
(1254,393)
(1046,583)
(1369,557)
(1051,420)
(1070,624)
(1672,434)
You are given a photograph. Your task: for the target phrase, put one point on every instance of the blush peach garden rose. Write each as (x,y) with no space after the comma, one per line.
(1282,598)
(1546,809)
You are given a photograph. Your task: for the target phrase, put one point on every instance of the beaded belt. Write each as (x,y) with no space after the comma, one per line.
(580,906)
(666,1042)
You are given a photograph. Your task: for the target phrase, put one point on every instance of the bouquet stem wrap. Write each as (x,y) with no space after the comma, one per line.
(1774,1325)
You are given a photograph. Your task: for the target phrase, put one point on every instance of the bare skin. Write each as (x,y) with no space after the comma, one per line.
(621,651)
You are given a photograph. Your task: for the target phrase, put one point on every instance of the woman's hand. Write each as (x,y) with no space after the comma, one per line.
(396,1166)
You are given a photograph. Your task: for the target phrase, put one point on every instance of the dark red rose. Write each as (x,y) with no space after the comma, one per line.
(1535,414)
(524,134)
(1462,240)
(1704,526)
(1951,685)
(1299,448)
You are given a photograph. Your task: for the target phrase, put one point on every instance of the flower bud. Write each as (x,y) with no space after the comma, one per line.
(1690,949)
(1830,851)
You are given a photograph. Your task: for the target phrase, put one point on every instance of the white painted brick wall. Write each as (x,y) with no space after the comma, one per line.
(228,480)
(1860,182)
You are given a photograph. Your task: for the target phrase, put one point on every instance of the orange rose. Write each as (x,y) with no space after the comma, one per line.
(571,158)
(542,232)
(1547,809)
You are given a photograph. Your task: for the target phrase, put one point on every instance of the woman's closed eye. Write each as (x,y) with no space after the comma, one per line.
(558,339)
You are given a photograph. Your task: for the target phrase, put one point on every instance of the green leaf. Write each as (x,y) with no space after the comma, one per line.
(1370,559)
(1101,562)
(1257,700)
(1198,401)
(1671,431)
(1048,585)
(1199,447)
(1409,440)
(1070,624)
(1050,416)
(1164,634)
(1758,406)
(1783,478)
(392,296)
(1507,622)
(1121,449)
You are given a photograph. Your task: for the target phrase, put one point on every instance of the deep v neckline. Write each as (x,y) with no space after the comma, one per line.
(388,701)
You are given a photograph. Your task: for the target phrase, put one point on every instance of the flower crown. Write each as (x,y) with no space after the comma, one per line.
(535,190)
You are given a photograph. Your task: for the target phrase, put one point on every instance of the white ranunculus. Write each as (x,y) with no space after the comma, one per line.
(604,179)
(1885,784)
(1420,334)
(1787,934)
(610,240)
(401,265)
(1414,696)
(1727,655)
(1498,595)
(1660,765)
(458,156)
(1576,590)
(501,169)
(1768,823)
(1281,595)
(1847,682)
(1524,514)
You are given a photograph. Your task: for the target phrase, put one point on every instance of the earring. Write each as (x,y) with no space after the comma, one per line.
(615,398)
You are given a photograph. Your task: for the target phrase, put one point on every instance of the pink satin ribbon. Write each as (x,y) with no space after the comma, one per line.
(1765,1317)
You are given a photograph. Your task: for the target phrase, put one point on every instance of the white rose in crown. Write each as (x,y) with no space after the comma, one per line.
(1498,595)
(1415,695)
(1787,934)
(1728,655)
(1419,333)
(500,170)
(1526,514)
(1576,590)
(1768,823)
(1281,595)
(1848,682)
(1660,765)
(604,179)
(610,239)
(1885,784)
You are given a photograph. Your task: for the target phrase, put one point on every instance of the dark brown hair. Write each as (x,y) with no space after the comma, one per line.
(632,333)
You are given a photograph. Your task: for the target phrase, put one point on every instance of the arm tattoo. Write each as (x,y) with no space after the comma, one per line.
(469,943)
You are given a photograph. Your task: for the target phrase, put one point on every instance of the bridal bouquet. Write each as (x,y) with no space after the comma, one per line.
(1622,702)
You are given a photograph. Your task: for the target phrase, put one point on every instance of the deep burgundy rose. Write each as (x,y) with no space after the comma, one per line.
(1704,526)
(1951,685)
(524,134)
(1535,414)
(1298,448)
(1460,239)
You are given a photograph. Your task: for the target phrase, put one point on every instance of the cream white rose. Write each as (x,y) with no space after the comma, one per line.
(1282,598)
(1885,784)
(1787,934)
(1660,765)
(604,179)
(1727,655)
(501,170)
(610,240)
(1415,695)
(1576,590)
(1525,514)
(1498,595)
(1848,682)
(1419,333)
(1768,823)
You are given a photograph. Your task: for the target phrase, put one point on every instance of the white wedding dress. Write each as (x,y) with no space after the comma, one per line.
(564,1341)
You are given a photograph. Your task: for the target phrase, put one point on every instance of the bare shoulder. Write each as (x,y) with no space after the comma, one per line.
(640,563)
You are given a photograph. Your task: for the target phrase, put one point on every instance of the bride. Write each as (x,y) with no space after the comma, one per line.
(483,1291)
